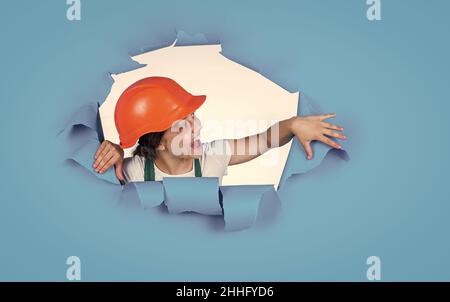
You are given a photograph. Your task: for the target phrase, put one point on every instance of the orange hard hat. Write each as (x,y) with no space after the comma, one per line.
(152,105)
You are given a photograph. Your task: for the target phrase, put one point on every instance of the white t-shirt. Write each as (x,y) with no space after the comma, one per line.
(214,161)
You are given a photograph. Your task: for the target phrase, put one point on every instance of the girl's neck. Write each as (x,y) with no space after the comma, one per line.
(173,165)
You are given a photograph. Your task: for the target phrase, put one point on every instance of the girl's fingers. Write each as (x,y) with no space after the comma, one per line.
(326,116)
(109,163)
(119,171)
(334,134)
(308,149)
(100,149)
(329,142)
(332,126)
(101,155)
(104,160)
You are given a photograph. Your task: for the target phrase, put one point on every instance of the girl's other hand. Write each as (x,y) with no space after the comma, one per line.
(109,154)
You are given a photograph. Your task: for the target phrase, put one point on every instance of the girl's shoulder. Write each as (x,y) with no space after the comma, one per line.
(215,158)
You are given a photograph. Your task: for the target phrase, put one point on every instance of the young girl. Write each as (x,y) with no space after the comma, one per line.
(159,115)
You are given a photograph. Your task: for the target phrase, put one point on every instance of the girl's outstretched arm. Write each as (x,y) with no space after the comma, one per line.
(305,128)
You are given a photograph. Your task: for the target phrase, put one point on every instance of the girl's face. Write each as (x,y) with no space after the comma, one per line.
(183,138)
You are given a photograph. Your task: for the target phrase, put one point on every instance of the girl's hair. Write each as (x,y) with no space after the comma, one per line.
(147,144)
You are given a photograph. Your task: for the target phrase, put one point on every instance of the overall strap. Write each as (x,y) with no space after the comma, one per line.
(197,168)
(149,169)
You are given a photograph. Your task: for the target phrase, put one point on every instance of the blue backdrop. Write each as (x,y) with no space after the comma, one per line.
(387,80)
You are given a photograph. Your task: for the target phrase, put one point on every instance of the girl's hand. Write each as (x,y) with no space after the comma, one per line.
(109,154)
(313,127)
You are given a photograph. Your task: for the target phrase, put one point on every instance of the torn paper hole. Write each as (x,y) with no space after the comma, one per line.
(242,206)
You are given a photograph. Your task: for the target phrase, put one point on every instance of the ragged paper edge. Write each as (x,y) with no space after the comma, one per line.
(242,207)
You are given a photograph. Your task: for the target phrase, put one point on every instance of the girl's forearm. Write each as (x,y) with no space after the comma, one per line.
(280,133)
(275,136)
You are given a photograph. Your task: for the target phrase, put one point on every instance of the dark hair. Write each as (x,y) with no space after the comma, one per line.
(148,143)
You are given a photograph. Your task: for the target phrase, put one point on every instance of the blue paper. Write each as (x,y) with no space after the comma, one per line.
(242,203)
(192,194)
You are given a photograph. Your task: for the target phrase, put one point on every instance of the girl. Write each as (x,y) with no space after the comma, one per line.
(159,115)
